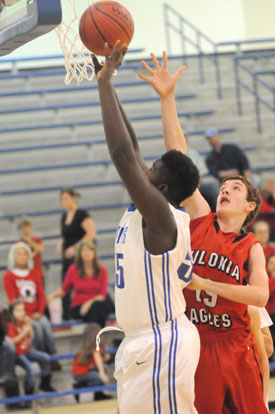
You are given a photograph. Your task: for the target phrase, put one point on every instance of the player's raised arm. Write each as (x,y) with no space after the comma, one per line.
(98,66)
(165,84)
(147,198)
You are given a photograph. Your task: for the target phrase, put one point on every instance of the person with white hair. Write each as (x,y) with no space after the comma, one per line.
(22,281)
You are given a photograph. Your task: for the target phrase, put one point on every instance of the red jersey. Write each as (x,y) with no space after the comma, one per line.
(22,347)
(37,260)
(29,288)
(268,250)
(270,306)
(85,288)
(78,369)
(221,257)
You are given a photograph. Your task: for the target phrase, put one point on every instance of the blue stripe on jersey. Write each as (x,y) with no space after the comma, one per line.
(168,284)
(152,287)
(174,367)
(170,367)
(157,334)
(164,279)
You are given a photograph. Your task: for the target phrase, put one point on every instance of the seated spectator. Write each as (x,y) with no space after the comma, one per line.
(23,282)
(270,307)
(88,369)
(76,225)
(261,230)
(7,363)
(35,243)
(267,189)
(225,159)
(207,189)
(21,333)
(89,281)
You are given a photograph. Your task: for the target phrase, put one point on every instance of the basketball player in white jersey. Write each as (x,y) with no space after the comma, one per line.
(156,362)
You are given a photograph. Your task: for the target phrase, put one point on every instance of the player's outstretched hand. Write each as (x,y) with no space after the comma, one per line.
(162,81)
(105,72)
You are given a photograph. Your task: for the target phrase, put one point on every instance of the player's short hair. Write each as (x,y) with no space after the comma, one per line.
(180,174)
(253,194)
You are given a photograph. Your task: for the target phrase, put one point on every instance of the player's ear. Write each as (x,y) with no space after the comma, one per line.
(163,188)
(250,206)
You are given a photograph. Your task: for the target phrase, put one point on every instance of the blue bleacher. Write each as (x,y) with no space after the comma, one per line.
(82,105)
(58,145)
(98,122)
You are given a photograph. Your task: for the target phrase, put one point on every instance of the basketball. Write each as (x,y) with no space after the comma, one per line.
(105,21)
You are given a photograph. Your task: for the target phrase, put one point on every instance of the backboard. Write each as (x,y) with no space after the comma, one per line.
(27,20)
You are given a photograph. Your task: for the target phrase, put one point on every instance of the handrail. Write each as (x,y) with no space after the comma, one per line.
(257,82)
(57,261)
(55,394)
(197,43)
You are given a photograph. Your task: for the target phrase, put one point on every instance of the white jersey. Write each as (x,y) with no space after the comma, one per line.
(149,287)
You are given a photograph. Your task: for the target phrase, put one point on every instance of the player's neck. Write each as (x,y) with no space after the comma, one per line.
(230,224)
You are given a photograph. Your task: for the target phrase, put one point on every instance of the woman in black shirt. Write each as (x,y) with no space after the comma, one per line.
(76,225)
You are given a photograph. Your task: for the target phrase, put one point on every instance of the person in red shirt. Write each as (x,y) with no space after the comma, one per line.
(23,282)
(267,209)
(270,307)
(232,275)
(261,230)
(36,243)
(89,281)
(88,369)
(21,333)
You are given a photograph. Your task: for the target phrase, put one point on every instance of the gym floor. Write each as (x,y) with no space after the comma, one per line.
(109,406)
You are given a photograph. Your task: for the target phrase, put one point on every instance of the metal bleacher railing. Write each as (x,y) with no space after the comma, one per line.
(254,84)
(35,398)
(201,43)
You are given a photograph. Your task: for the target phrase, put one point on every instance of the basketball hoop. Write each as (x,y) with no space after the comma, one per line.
(78,62)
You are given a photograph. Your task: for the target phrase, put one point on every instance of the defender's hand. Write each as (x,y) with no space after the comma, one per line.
(162,81)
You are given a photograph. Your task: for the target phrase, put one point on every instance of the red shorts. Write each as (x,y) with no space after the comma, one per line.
(228,378)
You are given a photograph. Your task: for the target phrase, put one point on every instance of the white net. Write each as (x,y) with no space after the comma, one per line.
(78,62)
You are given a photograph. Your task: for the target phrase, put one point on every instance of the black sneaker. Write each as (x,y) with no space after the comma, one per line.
(99,395)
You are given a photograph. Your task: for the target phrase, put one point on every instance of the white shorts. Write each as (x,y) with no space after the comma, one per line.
(155,369)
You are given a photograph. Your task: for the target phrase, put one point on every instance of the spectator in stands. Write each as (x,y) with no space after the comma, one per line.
(261,230)
(76,225)
(270,307)
(23,282)
(225,159)
(207,189)
(7,362)
(88,369)
(267,188)
(35,243)
(21,333)
(89,281)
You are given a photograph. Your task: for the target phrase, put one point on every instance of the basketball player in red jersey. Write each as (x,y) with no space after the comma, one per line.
(231,274)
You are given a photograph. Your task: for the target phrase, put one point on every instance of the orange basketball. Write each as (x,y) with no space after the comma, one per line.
(105,21)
